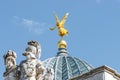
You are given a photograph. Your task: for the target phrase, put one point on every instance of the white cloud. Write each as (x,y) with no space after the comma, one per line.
(31,25)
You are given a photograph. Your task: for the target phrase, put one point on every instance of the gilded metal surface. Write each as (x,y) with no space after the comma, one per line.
(60,24)
(62,44)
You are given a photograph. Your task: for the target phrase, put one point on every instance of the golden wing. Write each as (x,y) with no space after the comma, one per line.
(56,17)
(63,20)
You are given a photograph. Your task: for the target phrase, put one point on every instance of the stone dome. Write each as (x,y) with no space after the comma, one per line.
(65,66)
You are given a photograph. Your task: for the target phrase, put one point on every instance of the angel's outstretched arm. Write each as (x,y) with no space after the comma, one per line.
(56,17)
(53,28)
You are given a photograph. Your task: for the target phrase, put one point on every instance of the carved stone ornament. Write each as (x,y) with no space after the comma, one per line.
(12,72)
(29,69)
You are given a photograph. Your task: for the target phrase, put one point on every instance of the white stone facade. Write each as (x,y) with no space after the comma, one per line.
(100,73)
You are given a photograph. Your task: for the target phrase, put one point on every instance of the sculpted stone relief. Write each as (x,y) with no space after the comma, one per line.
(29,69)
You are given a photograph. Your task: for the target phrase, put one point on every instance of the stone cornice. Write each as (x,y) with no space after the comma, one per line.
(98,70)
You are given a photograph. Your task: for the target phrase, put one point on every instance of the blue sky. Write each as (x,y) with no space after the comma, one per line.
(93,25)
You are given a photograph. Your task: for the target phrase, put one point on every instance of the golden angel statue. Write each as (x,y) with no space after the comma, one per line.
(60,24)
